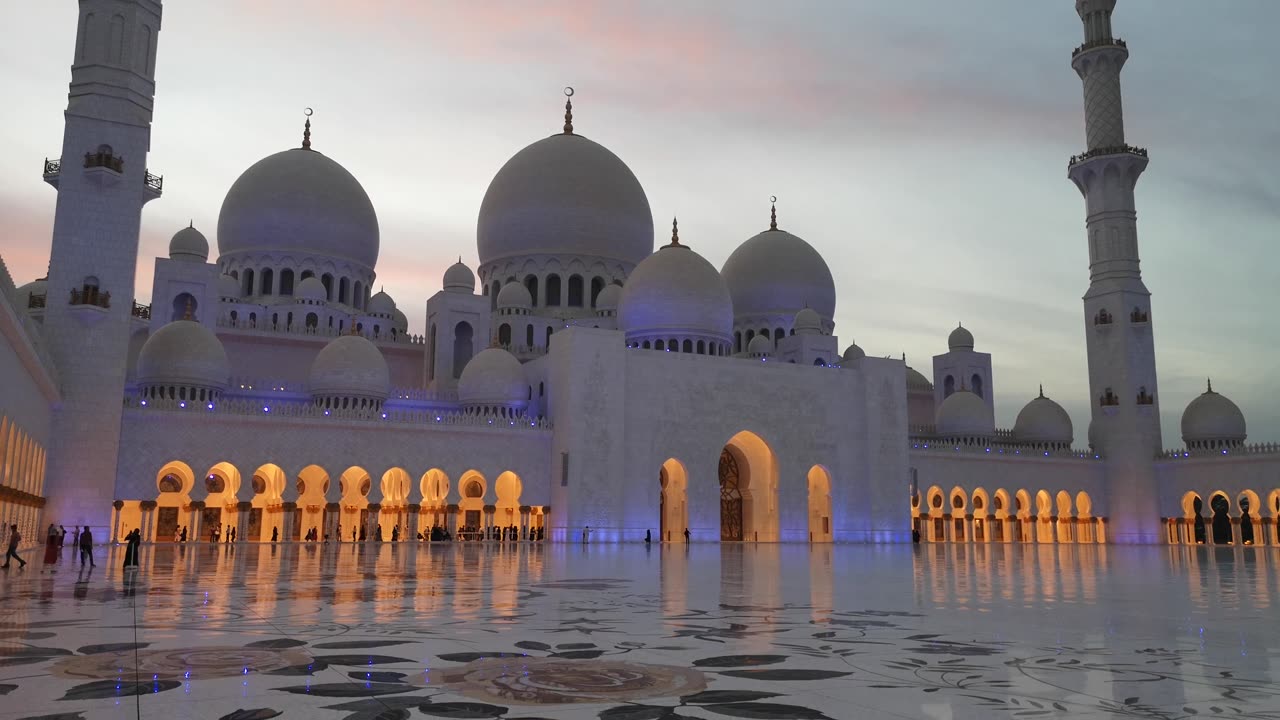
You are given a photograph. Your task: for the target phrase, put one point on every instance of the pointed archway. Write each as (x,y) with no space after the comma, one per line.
(673,501)
(819,504)
(748,474)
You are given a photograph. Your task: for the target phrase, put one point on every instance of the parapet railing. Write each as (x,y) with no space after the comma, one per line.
(310,411)
(1250,449)
(300,328)
(259,385)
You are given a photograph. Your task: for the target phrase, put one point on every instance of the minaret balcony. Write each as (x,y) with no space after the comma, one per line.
(1103,43)
(52,171)
(1102,151)
(154,185)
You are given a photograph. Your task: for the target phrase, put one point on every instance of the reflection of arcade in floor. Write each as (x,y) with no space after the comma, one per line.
(269,509)
(1247,523)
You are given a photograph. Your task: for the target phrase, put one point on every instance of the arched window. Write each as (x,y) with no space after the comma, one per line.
(288,320)
(948,386)
(234,316)
(976,384)
(778,334)
(597,285)
(306,274)
(286,282)
(541,389)
(553,291)
(327,281)
(462,349)
(268,279)
(431,353)
(575,291)
(357,295)
(528,336)
(737,341)
(342,291)
(531,284)
(659,345)
(702,347)
(247,279)
(645,345)
(253,319)
(548,342)
(183,303)
(747,338)
(312,320)
(504,334)
(687,347)
(819,362)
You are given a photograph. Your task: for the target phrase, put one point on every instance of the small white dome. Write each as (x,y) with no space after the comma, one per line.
(400,321)
(1212,420)
(853,353)
(964,415)
(776,272)
(189,244)
(565,195)
(350,366)
(301,203)
(459,278)
(311,289)
(675,292)
(38,288)
(609,298)
(807,322)
(493,379)
(229,287)
(960,339)
(183,353)
(917,382)
(381,304)
(759,346)
(514,295)
(1043,422)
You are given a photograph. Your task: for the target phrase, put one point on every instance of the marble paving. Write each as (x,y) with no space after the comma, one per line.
(470,630)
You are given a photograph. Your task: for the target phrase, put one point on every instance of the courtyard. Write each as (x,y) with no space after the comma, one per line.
(624,632)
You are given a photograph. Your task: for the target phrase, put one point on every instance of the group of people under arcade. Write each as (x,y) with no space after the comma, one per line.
(55,539)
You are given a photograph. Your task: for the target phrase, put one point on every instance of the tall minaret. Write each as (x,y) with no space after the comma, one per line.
(102,184)
(1117,308)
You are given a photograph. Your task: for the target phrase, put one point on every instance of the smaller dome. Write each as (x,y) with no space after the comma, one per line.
(183,353)
(964,415)
(675,292)
(38,288)
(493,379)
(960,339)
(189,244)
(350,367)
(229,287)
(808,322)
(917,382)
(609,298)
(381,304)
(400,321)
(853,353)
(514,295)
(459,278)
(760,346)
(1212,420)
(1043,422)
(311,289)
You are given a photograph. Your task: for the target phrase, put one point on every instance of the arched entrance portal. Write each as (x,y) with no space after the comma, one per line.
(748,490)
(673,507)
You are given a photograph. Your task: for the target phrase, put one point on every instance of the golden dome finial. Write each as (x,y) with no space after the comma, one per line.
(773,212)
(675,233)
(568,110)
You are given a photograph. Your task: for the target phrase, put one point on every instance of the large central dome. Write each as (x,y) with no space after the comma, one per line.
(302,203)
(565,195)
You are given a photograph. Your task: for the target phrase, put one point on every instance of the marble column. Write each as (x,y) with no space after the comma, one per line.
(196,521)
(148,520)
(243,508)
(412,522)
(451,520)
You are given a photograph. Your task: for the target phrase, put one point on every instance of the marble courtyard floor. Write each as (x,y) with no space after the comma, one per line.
(376,632)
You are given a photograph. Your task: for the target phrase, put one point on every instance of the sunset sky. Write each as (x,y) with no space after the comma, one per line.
(920,146)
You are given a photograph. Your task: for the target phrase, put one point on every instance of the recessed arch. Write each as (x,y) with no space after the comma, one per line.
(472,488)
(508,488)
(395,486)
(748,489)
(673,500)
(175,478)
(819,482)
(435,487)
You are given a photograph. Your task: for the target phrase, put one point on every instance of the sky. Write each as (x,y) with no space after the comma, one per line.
(921,147)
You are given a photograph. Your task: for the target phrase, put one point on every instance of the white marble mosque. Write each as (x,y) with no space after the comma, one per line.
(575,380)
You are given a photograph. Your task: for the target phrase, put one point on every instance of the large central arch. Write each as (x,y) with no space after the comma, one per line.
(748,474)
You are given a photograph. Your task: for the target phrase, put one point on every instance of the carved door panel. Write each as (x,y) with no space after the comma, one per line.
(730,498)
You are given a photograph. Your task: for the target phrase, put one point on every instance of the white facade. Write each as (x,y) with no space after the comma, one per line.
(588,381)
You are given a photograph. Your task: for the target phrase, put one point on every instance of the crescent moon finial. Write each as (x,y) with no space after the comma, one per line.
(568,110)
(306,130)
(773,212)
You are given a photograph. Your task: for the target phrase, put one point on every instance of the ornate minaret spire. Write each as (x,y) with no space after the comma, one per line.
(675,234)
(306,130)
(773,212)
(1117,307)
(568,111)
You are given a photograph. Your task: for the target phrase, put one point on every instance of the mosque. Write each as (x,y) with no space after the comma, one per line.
(575,377)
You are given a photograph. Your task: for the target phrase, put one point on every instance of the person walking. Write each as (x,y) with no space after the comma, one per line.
(132,541)
(232,537)
(75,537)
(62,538)
(586,534)
(14,538)
(686,536)
(648,537)
(85,540)
(338,535)
(183,536)
(275,534)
